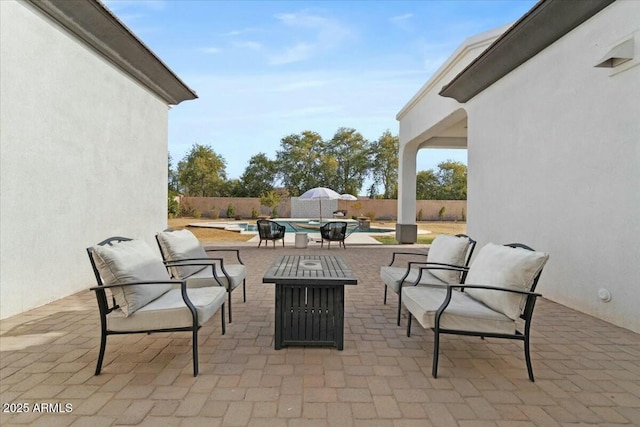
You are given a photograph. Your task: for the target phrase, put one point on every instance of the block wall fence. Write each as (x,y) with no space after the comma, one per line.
(377,209)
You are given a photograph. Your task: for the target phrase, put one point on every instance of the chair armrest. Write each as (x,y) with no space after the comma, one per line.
(432,266)
(237,251)
(205,262)
(450,289)
(105,309)
(148,282)
(394,254)
(496,288)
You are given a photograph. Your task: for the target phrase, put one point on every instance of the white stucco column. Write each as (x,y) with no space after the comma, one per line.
(406,227)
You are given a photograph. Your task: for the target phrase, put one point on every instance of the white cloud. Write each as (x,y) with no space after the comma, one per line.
(247,45)
(401,18)
(299,85)
(403,22)
(212,50)
(234,33)
(321,34)
(296,53)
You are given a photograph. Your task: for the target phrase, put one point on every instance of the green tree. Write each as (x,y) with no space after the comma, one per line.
(202,172)
(258,177)
(300,162)
(384,166)
(271,200)
(347,161)
(427,185)
(452,177)
(449,182)
(172,175)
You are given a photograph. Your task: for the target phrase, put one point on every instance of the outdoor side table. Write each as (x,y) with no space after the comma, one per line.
(309,301)
(302,239)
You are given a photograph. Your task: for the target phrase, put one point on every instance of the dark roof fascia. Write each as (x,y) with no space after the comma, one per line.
(94,24)
(545,23)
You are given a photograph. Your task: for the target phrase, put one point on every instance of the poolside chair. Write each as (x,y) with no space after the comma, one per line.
(445,261)
(270,230)
(143,298)
(499,291)
(335,231)
(186,259)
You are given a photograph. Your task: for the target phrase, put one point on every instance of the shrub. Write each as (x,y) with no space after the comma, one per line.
(463,215)
(173,207)
(441,213)
(371,215)
(212,213)
(254,213)
(420,215)
(196,213)
(231,211)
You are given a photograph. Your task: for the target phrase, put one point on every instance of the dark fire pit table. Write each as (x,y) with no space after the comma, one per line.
(309,299)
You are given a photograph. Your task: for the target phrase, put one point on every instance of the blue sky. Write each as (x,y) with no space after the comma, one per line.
(267,69)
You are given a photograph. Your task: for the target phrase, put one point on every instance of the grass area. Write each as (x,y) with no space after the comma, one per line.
(435,228)
(214,234)
(208,234)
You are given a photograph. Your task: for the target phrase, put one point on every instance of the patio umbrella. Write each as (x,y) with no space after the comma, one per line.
(347,196)
(319,193)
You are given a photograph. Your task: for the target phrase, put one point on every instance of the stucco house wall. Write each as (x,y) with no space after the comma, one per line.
(83,157)
(554,162)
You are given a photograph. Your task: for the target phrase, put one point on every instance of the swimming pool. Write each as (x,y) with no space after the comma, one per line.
(295,225)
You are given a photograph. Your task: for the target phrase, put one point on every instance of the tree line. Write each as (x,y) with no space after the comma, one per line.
(342,163)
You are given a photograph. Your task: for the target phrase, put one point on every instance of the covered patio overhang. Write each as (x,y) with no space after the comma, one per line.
(432,121)
(436,116)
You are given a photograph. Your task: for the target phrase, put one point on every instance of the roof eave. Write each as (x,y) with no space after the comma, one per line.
(545,23)
(94,24)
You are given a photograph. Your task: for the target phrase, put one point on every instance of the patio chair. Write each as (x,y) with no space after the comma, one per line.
(270,230)
(498,293)
(143,298)
(445,261)
(186,259)
(335,231)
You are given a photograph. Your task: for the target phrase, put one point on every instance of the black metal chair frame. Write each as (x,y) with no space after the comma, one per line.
(208,262)
(105,306)
(526,315)
(427,266)
(277,232)
(327,233)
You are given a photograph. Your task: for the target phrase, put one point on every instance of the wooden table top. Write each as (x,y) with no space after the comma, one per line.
(310,270)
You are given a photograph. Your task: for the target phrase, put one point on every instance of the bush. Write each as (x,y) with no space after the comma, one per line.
(173,207)
(212,213)
(420,215)
(254,213)
(463,215)
(441,213)
(231,211)
(371,215)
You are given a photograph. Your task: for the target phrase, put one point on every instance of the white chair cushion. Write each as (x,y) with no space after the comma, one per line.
(181,244)
(170,311)
(237,273)
(448,250)
(462,313)
(391,277)
(131,261)
(504,267)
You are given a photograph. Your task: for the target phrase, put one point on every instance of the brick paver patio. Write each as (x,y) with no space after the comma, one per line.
(587,371)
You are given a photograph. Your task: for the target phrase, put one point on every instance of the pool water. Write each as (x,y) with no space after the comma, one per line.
(291,229)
